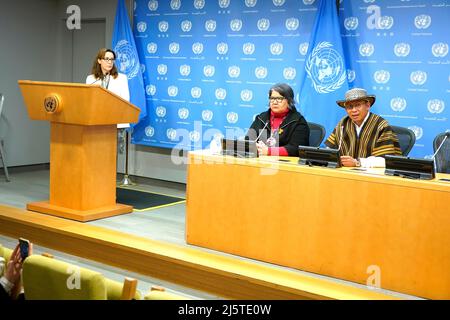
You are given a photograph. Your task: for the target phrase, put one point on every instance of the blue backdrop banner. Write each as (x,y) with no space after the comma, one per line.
(207,65)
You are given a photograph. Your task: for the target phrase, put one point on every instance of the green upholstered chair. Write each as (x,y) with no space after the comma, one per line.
(159,293)
(45,278)
(5,253)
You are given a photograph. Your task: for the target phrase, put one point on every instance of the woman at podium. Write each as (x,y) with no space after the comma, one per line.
(281,129)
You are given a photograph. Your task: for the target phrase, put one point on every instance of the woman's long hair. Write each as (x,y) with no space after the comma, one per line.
(97,69)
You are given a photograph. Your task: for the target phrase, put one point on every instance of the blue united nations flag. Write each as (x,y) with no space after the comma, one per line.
(324,77)
(127,58)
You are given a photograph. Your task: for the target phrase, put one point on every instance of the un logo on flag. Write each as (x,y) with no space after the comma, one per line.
(186,26)
(234,71)
(196,92)
(174,47)
(402,49)
(436,106)
(199,4)
(172,91)
(185,70)
(325,67)
(163,26)
(141,27)
(221,94)
(209,71)
(292,24)
(232,117)
(210,25)
(246,95)
(248,48)
(149,131)
(175,4)
(162,69)
(161,112)
(153,5)
(152,47)
(127,59)
(351,23)
(422,21)
(289,73)
(197,48)
(303,48)
(151,90)
(222,48)
(183,113)
(382,76)
(250,3)
(236,25)
(207,115)
(418,78)
(276,48)
(171,134)
(398,104)
(366,49)
(263,24)
(439,50)
(261,72)
(418,131)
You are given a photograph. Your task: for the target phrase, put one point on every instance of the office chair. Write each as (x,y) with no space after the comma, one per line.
(316,134)
(2,152)
(442,157)
(406,138)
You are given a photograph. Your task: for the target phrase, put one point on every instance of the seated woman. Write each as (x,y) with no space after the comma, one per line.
(281,129)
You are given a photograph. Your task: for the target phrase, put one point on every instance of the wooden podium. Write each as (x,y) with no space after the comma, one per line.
(83,147)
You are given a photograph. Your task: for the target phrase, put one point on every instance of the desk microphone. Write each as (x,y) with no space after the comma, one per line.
(447,134)
(340,138)
(261,132)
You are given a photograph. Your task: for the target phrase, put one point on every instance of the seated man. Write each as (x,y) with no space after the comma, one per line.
(362,137)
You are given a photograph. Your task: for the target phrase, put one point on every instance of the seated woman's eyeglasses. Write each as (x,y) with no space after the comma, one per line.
(276,99)
(109,59)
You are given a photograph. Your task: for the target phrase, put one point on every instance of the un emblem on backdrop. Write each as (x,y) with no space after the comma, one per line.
(422,21)
(185,70)
(175,4)
(151,90)
(386,22)
(207,115)
(276,48)
(439,50)
(222,48)
(196,92)
(186,25)
(234,71)
(418,131)
(199,4)
(209,71)
(172,91)
(381,76)
(366,49)
(224,4)
(418,78)
(263,24)
(325,67)
(250,3)
(194,136)
(436,106)
(153,5)
(152,47)
(171,134)
(183,113)
(127,59)
(292,24)
(236,25)
(402,49)
(278,3)
(141,27)
(308,2)
(162,69)
(197,48)
(232,117)
(261,72)
(248,48)
(351,75)
(163,26)
(149,131)
(174,47)
(351,23)
(289,73)
(221,94)
(246,95)
(210,25)
(161,112)
(398,104)
(303,48)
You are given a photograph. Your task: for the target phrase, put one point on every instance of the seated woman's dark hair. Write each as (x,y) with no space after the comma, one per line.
(286,91)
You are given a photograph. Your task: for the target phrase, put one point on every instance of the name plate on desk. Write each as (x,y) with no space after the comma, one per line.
(239,148)
(412,168)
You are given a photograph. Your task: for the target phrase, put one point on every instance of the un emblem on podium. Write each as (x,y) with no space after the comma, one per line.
(52,104)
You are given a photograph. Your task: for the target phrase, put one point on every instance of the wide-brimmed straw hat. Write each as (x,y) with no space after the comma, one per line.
(356,94)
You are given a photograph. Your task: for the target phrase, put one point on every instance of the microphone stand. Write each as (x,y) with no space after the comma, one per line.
(126,181)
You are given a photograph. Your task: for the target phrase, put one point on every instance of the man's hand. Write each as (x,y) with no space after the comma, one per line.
(348,161)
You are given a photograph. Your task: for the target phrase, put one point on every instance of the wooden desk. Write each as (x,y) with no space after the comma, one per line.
(337,222)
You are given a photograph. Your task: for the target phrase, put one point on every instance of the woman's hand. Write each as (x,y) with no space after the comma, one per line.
(263,150)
